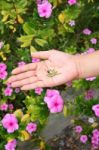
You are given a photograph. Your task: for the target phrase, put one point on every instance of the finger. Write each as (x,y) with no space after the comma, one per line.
(24,68)
(24,82)
(33,85)
(41,54)
(21,76)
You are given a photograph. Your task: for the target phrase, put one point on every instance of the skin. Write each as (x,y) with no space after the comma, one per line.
(67,67)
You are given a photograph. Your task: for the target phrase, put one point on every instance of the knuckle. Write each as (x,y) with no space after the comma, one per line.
(30,80)
(32,73)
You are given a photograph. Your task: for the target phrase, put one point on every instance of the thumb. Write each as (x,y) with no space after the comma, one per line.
(41,54)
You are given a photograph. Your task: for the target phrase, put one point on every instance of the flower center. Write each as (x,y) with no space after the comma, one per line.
(11,123)
(44,10)
(56,104)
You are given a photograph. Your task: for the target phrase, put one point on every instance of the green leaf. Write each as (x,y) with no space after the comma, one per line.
(41,42)
(26,40)
(33,49)
(28,29)
(65,110)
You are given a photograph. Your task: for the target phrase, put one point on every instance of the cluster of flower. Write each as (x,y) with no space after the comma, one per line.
(54,101)
(10,123)
(84,138)
(95,139)
(5,107)
(3,72)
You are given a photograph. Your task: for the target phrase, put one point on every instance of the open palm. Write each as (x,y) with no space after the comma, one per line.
(55,69)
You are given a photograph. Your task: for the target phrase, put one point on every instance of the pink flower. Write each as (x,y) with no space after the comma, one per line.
(96,132)
(3,75)
(38,90)
(90,50)
(69,84)
(90,78)
(95,108)
(3,72)
(10,106)
(93,40)
(3,67)
(89,94)
(35,60)
(10,123)
(72,23)
(72,2)
(21,63)
(8,91)
(95,139)
(51,93)
(11,145)
(1,44)
(83,138)
(31,127)
(78,129)
(4,107)
(45,9)
(17,90)
(54,101)
(87,31)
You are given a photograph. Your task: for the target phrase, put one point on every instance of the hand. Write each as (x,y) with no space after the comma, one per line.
(54,69)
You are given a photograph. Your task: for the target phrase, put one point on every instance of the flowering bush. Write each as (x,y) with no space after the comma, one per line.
(31,25)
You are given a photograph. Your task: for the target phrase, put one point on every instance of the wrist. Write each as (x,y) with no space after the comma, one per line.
(87,65)
(79,65)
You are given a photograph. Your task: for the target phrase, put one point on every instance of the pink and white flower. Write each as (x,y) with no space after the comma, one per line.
(38,90)
(93,40)
(84,138)
(95,139)
(4,107)
(35,60)
(31,127)
(87,31)
(11,145)
(21,63)
(3,74)
(95,108)
(10,106)
(17,90)
(10,123)
(54,101)
(78,129)
(3,67)
(8,91)
(44,9)
(72,2)
(72,23)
